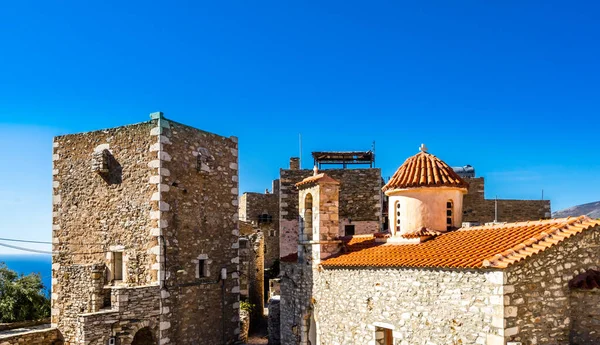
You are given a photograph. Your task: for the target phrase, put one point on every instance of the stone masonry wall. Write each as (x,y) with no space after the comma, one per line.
(360,200)
(585,317)
(538,301)
(296,293)
(252,272)
(478,209)
(252,205)
(46,336)
(198,219)
(420,306)
(96,213)
(132,309)
(165,195)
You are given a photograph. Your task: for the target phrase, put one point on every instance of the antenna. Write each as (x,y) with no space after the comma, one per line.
(300,156)
(542,194)
(373,149)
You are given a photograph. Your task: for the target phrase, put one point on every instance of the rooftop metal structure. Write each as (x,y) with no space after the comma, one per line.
(465,172)
(344,158)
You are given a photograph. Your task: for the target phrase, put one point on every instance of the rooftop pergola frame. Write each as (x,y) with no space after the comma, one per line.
(344,158)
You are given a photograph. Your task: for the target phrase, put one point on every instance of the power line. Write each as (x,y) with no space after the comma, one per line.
(25,241)
(26,249)
(44,242)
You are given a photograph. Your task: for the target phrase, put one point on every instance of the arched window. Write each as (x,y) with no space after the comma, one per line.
(308,216)
(397,210)
(449,214)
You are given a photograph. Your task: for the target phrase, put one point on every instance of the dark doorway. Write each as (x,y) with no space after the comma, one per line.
(349,230)
(143,337)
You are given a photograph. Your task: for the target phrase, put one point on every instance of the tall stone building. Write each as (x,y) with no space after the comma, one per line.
(145,227)
(361,202)
(478,209)
(262,210)
(430,281)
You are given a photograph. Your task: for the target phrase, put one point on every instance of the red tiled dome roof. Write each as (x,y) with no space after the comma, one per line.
(424,170)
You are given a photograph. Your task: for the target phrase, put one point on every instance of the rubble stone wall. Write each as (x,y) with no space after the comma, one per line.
(252,272)
(585,317)
(45,336)
(538,300)
(478,209)
(132,309)
(360,199)
(294,304)
(166,196)
(253,205)
(199,220)
(448,306)
(94,213)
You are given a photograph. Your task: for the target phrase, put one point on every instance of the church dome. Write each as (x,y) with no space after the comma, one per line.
(424,170)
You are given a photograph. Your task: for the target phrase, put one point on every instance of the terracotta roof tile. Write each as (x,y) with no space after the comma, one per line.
(322,177)
(424,170)
(422,233)
(477,247)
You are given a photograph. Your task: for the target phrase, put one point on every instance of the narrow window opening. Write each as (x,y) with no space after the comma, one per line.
(117,266)
(398,223)
(449,214)
(202,268)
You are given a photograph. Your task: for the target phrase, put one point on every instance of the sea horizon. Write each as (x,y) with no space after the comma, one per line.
(31,263)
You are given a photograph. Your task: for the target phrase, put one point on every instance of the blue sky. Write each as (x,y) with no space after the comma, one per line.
(509,87)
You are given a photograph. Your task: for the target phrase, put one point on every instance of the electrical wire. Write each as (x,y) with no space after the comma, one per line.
(25,241)
(26,249)
(45,242)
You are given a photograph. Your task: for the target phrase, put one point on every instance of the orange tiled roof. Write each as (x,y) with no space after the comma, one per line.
(424,170)
(322,177)
(422,233)
(496,246)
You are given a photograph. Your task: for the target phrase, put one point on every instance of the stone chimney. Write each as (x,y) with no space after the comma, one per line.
(294,163)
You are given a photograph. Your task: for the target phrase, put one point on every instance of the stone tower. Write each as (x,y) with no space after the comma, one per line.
(146,235)
(425,195)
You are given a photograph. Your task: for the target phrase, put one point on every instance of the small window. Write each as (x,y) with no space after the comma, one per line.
(349,230)
(202,269)
(398,216)
(117,265)
(449,214)
(265,218)
(203,265)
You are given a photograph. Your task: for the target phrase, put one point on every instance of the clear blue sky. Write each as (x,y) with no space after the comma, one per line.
(510,87)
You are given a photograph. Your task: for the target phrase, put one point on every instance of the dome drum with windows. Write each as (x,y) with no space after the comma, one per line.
(425,194)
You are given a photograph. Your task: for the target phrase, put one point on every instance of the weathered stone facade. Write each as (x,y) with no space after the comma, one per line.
(360,203)
(486,285)
(529,302)
(262,210)
(137,211)
(252,273)
(43,336)
(538,303)
(476,208)
(273,322)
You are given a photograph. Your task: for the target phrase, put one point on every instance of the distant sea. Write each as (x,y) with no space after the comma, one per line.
(26,264)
